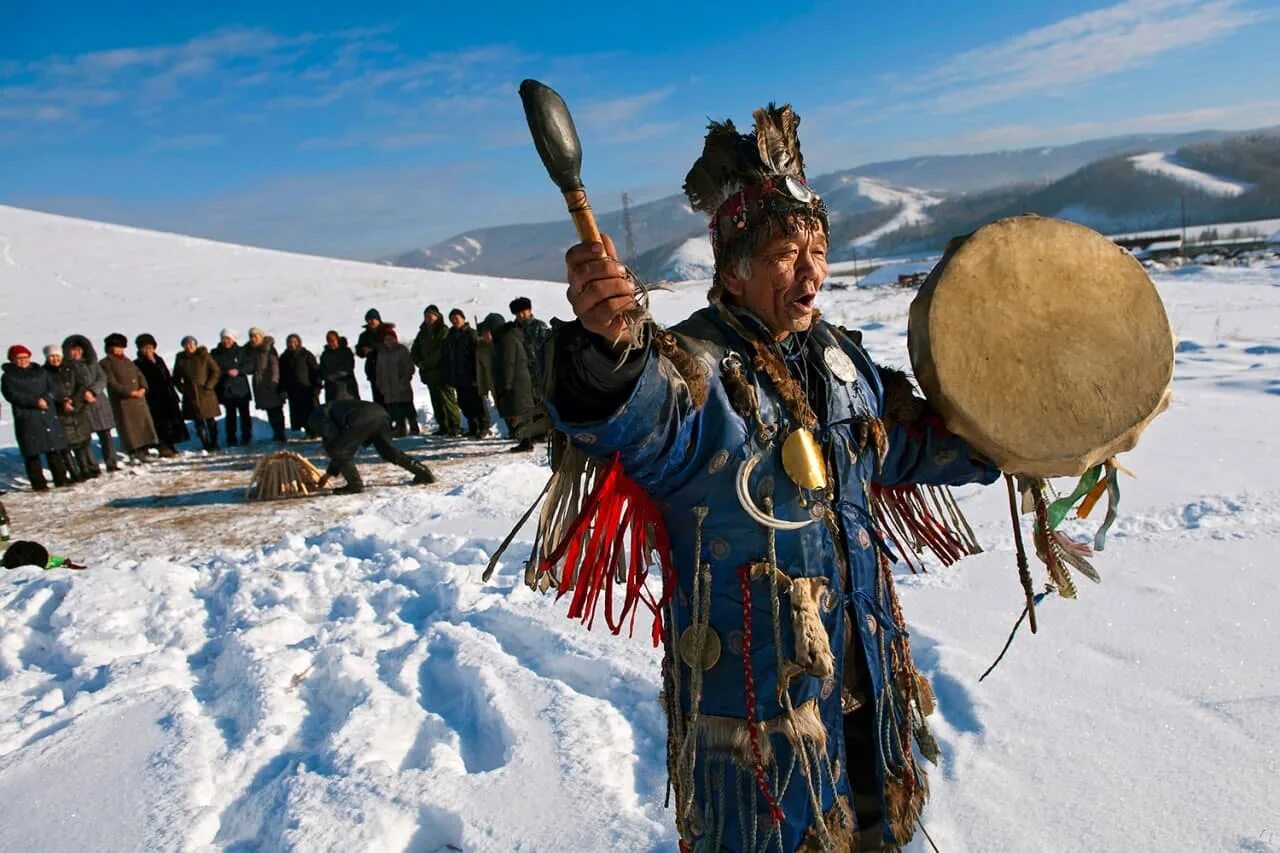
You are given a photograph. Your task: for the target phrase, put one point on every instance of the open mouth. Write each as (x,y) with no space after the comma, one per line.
(805,302)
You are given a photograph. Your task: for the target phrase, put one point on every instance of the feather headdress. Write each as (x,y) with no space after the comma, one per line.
(732,161)
(745,181)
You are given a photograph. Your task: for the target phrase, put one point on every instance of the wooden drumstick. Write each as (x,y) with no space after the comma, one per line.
(556,139)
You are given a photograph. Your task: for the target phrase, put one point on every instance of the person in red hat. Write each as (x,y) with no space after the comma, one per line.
(393,378)
(35,398)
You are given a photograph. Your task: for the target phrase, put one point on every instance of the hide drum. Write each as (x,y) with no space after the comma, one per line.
(1043,344)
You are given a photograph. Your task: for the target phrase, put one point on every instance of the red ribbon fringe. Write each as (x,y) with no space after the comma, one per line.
(904,516)
(617,537)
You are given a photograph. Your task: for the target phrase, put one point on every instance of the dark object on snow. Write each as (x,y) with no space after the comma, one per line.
(25,553)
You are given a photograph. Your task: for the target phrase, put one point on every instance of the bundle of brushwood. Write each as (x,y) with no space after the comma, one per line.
(283,474)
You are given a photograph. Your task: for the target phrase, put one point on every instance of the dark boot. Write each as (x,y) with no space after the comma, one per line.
(422,475)
(108,450)
(354,485)
(58,467)
(85,461)
(525,446)
(168,451)
(35,473)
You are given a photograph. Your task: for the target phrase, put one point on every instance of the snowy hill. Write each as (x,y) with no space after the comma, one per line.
(332,674)
(60,275)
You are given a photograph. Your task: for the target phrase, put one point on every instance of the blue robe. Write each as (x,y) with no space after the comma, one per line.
(687,458)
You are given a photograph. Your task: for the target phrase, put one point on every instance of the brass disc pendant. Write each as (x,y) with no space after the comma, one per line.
(803,462)
(688,646)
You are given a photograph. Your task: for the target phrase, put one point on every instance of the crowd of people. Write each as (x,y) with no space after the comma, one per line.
(61,405)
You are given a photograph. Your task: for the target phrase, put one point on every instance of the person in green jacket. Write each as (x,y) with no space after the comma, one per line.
(428,354)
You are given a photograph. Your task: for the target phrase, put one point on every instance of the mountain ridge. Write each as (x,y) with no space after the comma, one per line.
(918,203)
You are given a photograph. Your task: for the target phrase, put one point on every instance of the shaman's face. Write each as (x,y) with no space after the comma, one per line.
(786,273)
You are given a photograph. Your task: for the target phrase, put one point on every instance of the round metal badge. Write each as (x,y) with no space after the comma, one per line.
(689,643)
(839,363)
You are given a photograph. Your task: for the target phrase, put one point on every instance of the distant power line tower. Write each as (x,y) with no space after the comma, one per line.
(626,227)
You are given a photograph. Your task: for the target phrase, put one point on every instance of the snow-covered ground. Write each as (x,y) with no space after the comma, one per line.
(332,674)
(1161,163)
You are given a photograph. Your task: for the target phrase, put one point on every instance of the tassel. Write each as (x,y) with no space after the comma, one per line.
(608,550)
(905,516)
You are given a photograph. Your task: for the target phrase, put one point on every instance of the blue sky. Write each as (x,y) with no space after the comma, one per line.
(358,129)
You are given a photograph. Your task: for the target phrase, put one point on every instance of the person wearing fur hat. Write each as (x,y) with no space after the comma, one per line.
(428,354)
(72,379)
(127,390)
(267,395)
(461,370)
(536,335)
(794,709)
(512,382)
(78,349)
(393,377)
(368,347)
(195,375)
(36,399)
(162,396)
(236,364)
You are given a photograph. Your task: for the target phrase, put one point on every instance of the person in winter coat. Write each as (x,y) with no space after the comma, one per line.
(72,379)
(368,346)
(484,372)
(394,379)
(338,367)
(195,373)
(513,386)
(345,427)
(78,349)
(237,365)
(266,380)
(300,381)
(127,389)
(428,353)
(162,396)
(460,371)
(35,398)
(536,336)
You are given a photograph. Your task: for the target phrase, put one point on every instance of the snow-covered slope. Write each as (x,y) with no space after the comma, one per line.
(59,275)
(1160,163)
(333,675)
(912,205)
(691,260)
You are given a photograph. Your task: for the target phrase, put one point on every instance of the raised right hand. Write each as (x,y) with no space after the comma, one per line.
(599,289)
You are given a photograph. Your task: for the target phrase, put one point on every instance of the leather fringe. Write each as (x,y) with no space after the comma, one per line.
(918,518)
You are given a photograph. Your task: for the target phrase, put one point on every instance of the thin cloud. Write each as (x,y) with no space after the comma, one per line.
(1240,116)
(186,142)
(610,113)
(1075,50)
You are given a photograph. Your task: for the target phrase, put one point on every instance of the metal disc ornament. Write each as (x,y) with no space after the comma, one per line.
(839,363)
(710,642)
